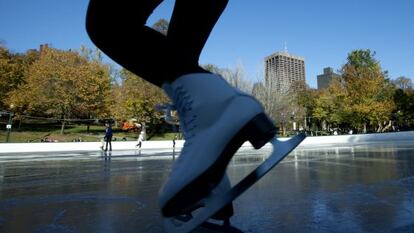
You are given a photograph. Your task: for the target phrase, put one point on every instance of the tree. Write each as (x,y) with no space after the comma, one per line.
(330,104)
(235,77)
(305,98)
(161,26)
(362,59)
(12,69)
(63,84)
(280,107)
(404,101)
(369,92)
(403,83)
(137,98)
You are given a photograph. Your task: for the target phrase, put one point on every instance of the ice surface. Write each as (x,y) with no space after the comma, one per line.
(364,188)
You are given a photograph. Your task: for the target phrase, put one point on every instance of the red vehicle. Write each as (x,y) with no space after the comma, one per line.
(131,125)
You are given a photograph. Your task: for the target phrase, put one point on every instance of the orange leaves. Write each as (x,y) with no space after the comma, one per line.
(64,84)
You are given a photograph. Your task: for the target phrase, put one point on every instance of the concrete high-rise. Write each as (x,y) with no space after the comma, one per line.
(326,78)
(283,69)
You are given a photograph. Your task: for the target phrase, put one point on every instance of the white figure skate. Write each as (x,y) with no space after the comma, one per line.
(216,120)
(222,196)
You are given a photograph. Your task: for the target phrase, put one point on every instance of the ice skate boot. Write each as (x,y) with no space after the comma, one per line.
(216,120)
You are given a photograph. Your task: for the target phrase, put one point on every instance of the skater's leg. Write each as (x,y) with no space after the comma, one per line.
(190,26)
(118,29)
(106,144)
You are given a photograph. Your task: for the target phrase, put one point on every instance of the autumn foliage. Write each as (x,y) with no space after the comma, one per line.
(69,84)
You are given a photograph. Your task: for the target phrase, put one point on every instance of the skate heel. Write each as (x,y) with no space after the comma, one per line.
(260,130)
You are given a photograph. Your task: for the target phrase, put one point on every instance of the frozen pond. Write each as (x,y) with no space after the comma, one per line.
(364,188)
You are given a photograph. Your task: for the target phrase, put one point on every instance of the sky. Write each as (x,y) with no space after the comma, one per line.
(323,32)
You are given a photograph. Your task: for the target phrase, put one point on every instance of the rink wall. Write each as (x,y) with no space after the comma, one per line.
(83,146)
(359,138)
(168,145)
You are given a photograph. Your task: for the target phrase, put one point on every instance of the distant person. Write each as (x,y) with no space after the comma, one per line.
(140,139)
(138,127)
(175,138)
(108,136)
(46,139)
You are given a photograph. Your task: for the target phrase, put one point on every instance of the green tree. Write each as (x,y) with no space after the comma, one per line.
(63,84)
(369,93)
(362,59)
(331,105)
(306,100)
(404,101)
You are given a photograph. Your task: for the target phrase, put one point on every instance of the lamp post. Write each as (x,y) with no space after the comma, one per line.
(9,126)
(282,116)
(9,123)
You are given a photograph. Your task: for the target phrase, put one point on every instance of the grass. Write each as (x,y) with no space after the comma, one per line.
(36,132)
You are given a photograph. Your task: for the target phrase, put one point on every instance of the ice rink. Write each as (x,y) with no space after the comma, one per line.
(361,188)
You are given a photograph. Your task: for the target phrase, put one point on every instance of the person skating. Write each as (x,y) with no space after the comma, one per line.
(140,139)
(108,137)
(215,117)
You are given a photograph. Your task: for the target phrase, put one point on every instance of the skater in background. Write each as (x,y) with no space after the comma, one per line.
(173,141)
(140,139)
(108,136)
(216,118)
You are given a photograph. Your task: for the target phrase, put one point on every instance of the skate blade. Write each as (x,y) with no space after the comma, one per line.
(217,199)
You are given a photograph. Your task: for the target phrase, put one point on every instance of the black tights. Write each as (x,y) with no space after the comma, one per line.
(118,29)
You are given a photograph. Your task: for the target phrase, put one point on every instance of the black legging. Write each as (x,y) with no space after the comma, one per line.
(108,141)
(118,29)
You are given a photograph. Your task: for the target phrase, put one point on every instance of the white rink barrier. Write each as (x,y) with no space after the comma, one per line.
(359,138)
(85,146)
(168,145)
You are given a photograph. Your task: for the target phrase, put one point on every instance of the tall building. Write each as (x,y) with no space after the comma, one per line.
(283,69)
(325,79)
